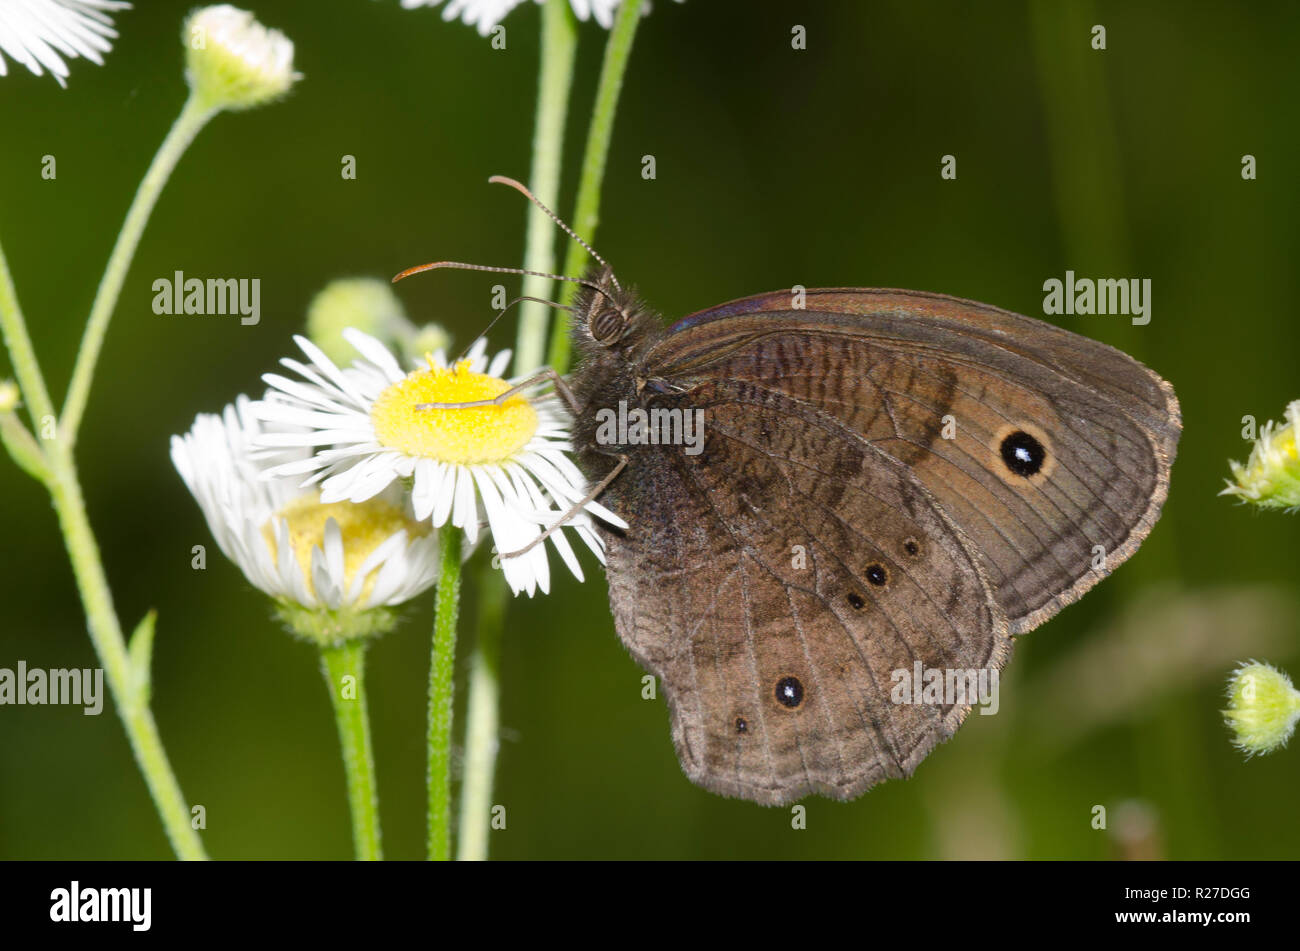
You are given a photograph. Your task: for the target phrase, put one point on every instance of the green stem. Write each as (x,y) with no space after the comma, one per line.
(193,117)
(442,668)
(482,730)
(19,344)
(555,77)
(130,692)
(342,661)
(587,210)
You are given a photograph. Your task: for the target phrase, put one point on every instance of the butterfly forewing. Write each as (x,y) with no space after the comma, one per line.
(947,387)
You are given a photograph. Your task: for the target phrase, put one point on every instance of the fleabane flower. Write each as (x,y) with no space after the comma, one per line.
(1263,708)
(40,33)
(506,465)
(1271,477)
(234,62)
(334,569)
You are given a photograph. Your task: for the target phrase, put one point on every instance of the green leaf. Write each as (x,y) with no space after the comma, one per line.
(140,650)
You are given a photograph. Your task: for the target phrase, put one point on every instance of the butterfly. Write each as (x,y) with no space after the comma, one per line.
(888,483)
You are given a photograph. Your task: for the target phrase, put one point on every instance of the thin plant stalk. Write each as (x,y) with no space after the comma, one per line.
(194,115)
(344,668)
(482,720)
(586,214)
(442,669)
(559,44)
(554,82)
(128,683)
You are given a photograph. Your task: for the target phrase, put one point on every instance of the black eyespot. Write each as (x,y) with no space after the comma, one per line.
(912,546)
(856,601)
(789,692)
(742,725)
(877,574)
(606,324)
(1023,454)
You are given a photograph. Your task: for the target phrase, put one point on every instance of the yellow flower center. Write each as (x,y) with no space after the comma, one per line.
(364,526)
(461,435)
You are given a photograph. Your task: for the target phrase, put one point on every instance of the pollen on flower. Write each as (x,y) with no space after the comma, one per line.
(465,436)
(363,526)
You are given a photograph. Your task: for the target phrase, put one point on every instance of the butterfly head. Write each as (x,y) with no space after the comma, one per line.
(609,319)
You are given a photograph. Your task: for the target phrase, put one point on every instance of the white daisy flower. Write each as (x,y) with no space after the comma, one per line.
(506,464)
(353,560)
(486,14)
(40,33)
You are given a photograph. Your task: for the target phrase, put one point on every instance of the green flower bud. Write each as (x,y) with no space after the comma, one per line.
(1271,477)
(1263,708)
(422,341)
(366,303)
(233,62)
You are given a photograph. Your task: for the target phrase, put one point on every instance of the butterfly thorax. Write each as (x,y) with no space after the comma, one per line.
(612,331)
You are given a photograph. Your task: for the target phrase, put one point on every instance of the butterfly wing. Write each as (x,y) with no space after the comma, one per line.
(853,518)
(939,384)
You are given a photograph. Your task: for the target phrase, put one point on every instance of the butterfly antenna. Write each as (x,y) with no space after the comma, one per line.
(523,190)
(483,333)
(462,266)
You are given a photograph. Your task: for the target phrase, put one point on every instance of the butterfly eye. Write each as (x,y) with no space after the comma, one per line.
(607,324)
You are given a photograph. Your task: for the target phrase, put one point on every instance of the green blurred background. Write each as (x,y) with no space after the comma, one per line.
(775,167)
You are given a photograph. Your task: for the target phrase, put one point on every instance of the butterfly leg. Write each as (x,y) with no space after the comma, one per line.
(542,375)
(573,510)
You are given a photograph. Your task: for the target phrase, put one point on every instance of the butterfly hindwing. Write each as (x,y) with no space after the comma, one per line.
(780,603)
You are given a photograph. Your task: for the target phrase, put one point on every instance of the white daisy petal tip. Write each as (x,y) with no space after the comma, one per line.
(40,33)
(486,15)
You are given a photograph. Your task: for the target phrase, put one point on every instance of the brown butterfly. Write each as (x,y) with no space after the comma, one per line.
(886,478)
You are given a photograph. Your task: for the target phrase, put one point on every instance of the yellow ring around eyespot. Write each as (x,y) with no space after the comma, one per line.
(472,435)
(363,527)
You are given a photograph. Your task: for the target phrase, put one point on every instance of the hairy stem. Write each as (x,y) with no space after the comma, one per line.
(442,668)
(339,663)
